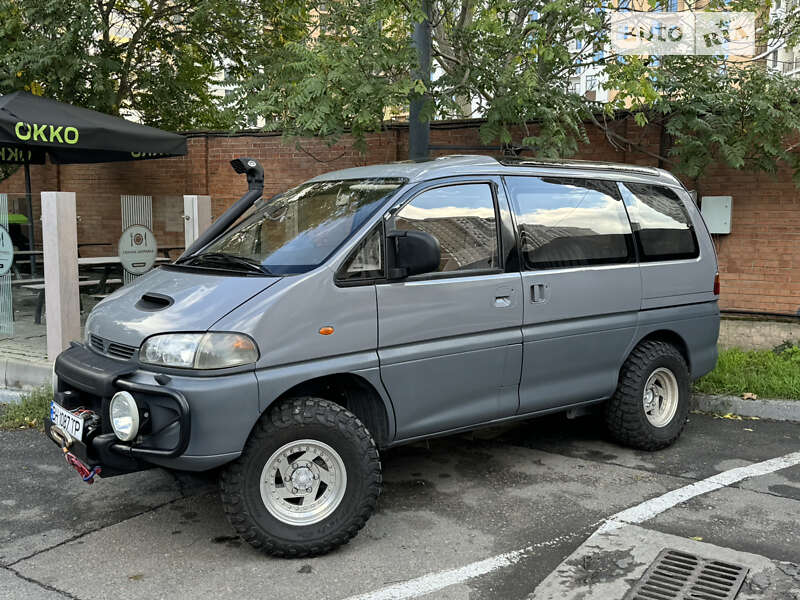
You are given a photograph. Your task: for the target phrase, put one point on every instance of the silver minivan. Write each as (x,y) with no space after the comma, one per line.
(380,305)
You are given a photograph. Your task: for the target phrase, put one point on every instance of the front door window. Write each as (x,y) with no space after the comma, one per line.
(462,217)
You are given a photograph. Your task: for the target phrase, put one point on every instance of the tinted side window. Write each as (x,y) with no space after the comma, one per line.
(568,222)
(661,224)
(462,217)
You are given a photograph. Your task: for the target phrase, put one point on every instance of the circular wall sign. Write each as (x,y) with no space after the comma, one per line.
(6,251)
(137,249)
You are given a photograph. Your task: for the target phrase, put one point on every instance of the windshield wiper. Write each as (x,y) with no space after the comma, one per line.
(232,259)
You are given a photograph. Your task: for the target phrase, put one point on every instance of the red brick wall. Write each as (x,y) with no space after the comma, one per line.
(759,261)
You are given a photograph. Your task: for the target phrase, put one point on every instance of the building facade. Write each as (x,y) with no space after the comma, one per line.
(782,57)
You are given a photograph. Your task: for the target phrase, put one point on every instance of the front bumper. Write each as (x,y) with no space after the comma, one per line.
(87,379)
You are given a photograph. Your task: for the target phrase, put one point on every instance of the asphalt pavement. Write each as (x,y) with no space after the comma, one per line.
(515,513)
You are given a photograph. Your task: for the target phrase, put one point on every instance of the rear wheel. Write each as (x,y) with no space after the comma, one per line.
(649,408)
(307,481)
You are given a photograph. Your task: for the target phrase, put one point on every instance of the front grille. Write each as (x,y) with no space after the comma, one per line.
(120,350)
(678,575)
(97,343)
(112,349)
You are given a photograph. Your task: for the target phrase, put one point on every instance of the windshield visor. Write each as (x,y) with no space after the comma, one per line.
(297,231)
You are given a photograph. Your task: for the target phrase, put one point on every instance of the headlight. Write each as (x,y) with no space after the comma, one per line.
(171,350)
(199,350)
(124,416)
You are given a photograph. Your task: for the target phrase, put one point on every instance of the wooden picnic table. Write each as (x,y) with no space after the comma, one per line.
(108,263)
(165,250)
(91,244)
(95,261)
(82,282)
(32,255)
(103,259)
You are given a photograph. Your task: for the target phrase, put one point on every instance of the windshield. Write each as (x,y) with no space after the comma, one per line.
(298,230)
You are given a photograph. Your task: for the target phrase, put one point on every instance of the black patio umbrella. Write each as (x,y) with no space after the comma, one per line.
(32,127)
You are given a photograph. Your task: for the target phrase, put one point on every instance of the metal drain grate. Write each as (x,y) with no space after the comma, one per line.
(676,575)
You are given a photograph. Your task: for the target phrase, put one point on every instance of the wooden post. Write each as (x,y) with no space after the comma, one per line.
(61,293)
(197,217)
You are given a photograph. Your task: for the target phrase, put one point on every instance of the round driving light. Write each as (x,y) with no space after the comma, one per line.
(124,416)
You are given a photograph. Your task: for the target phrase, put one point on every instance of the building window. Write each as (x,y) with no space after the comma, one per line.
(591,83)
(462,218)
(661,224)
(565,222)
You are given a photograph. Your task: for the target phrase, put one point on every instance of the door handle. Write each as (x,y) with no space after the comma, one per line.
(540,292)
(502,301)
(503,296)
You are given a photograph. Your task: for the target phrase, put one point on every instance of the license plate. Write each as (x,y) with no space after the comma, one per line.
(66,421)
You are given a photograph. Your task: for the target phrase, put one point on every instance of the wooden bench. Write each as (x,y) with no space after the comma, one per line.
(39,287)
(26,282)
(15,282)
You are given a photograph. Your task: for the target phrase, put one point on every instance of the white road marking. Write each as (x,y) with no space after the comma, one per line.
(427,584)
(654,507)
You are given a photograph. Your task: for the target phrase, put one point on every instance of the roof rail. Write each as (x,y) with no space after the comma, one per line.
(579,164)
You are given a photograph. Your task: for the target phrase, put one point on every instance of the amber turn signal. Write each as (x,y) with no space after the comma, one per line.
(327,330)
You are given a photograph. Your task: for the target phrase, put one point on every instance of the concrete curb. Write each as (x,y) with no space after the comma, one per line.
(19,374)
(777,410)
(10,396)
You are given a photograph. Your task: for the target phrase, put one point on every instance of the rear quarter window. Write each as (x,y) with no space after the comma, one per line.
(661,223)
(569,222)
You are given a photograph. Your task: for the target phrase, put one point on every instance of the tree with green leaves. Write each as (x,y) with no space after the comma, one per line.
(347,65)
(157,60)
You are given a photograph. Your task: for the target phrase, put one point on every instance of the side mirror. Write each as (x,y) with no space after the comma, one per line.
(413,253)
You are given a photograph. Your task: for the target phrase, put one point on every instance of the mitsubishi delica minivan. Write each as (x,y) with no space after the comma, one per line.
(375,306)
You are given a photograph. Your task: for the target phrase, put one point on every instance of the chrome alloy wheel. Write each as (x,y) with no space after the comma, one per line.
(303,482)
(660,398)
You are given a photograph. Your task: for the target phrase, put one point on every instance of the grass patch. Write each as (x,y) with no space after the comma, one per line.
(766,373)
(30,412)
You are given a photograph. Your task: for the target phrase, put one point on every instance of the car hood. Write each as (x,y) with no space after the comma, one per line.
(168,300)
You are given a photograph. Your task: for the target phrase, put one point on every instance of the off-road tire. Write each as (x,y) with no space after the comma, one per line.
(291,420)
(624,413)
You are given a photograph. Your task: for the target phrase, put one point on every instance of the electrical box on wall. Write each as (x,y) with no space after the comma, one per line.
(716,211)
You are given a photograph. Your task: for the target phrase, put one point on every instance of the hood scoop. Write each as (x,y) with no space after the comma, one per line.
(152,302)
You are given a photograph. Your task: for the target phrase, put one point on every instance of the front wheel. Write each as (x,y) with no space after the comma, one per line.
(649,408)
(307,481)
